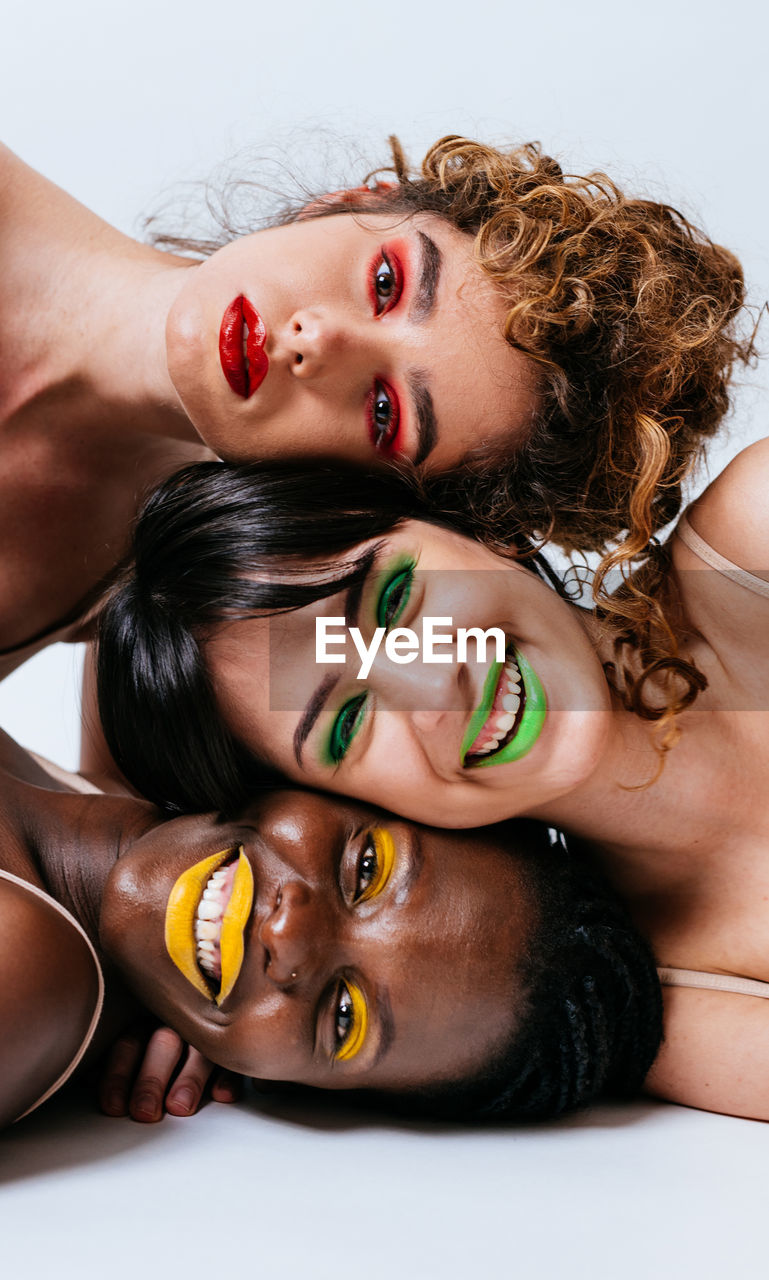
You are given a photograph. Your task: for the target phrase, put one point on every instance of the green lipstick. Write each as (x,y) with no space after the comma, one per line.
(529,726)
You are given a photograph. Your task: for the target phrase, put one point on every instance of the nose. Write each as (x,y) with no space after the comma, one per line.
(293,934)
(425,691)
(321,341)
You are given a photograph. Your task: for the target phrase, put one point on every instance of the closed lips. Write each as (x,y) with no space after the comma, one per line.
(242,336)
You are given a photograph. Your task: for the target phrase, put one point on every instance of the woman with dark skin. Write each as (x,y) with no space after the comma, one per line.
(485,311)
(560,727)
(317,942)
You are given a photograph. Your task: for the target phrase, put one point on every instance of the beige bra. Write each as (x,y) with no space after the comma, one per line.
(713,982)
(701,548)
(88,1037)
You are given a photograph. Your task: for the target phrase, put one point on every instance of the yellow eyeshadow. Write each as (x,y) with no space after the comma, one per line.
(357,1033)
(384,846)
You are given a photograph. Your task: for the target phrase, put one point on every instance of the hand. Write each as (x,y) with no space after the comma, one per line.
(150,1069)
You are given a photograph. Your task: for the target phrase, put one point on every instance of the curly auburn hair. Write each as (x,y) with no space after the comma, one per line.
(631,315)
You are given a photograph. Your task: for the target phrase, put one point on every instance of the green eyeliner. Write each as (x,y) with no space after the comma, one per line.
(532,720)
(397,575)
(338,744)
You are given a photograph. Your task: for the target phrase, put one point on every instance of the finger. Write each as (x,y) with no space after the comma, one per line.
(118,1073)
(226,1086)
(187,1089)
(163,1051)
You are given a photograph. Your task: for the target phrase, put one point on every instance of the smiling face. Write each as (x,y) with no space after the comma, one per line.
(348,337)
(373,954)
(459,743)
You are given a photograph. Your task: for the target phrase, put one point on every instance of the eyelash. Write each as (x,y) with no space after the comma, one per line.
(353,1036)
(393,272)
(382,408)
(350,1001)
(352,714)
(381,847)
(384,418)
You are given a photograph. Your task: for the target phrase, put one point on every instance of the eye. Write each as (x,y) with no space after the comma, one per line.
(350,1022)
(386,282)
(345,727)
(384,417)
(375,864)
(394,597)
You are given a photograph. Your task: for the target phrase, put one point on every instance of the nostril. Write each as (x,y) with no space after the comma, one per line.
(298,358)
(297,327)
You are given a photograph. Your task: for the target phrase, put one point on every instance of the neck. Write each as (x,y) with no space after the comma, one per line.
(77,840)
(637,804)
(82,314)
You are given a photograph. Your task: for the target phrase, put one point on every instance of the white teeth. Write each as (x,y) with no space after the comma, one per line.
(204,945)
(505,719)
(207,929)
(210,910)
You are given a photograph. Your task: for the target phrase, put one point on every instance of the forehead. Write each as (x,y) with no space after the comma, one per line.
(454,970)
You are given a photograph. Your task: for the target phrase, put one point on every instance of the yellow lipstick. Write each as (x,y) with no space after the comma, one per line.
(180,921)
(231,944)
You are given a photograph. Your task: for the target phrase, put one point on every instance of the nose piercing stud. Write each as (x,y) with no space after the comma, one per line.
(293,975)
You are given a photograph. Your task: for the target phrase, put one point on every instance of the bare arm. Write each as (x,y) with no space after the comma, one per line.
(733,513)
(96,763)
(716,1053)
(47,997)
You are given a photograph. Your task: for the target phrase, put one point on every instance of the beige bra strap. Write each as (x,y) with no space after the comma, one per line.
(713,982)
(701,548)
(65,1075)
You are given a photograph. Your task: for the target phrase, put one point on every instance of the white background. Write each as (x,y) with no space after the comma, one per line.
(121,102)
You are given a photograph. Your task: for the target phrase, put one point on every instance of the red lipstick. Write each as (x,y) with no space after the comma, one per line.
(241,347)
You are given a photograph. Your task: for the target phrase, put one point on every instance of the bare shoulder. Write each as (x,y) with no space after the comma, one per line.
(47,997)
(715,1054)
(733,513)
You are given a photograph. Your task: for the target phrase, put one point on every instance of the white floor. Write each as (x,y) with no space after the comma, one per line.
(623,1194)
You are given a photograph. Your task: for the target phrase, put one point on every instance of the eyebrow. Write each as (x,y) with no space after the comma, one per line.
(423,300)
(386,1026)
(319,698)
(427,425)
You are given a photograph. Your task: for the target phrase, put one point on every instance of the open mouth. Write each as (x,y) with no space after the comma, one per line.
(242,336)
(207,911)
(510,716)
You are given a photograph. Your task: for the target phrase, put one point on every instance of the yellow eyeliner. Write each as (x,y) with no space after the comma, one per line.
(180,918)
(384,846)
(357,1034)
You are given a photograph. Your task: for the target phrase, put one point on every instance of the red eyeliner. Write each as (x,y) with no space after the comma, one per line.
(384,439)
(245,364)
(391,258)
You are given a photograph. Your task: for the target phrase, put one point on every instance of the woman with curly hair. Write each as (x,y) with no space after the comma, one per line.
(546,353)
(327,629)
